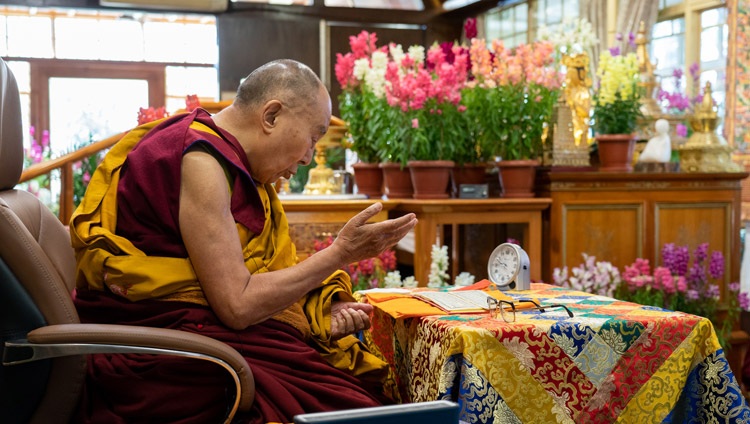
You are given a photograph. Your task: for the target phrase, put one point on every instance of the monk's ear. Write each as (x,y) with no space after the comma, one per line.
(271,111)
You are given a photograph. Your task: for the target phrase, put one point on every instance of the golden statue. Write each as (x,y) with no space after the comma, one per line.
(567,134)
(648,84)
(577,94)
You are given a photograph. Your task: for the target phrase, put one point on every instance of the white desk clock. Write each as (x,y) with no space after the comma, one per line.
(508,267)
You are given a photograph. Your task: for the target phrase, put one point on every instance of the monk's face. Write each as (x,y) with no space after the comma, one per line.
(300,130)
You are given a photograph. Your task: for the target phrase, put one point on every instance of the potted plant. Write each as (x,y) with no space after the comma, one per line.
(427,93)
(361,105)
(616,110)
(510,101)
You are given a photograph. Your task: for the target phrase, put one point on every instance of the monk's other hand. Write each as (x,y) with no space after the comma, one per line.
(349,318)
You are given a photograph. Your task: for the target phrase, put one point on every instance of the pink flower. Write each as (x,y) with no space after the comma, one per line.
(470,28)
(681,130)
(415,123)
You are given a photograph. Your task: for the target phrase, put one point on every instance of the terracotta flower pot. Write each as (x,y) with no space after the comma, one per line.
(369,179)
(517,177)
(397,181)
(430,178)
(615,152)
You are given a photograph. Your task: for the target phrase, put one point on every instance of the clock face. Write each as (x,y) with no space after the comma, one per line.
(503,264)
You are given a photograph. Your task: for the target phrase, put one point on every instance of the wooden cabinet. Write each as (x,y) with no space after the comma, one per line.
(311,220)
(619,217)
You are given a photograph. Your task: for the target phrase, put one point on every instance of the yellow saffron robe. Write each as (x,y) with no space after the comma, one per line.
(107,261)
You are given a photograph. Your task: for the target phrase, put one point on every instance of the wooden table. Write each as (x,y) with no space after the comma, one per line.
(433,214)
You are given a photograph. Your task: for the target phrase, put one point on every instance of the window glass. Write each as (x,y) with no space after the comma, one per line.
(201,45)
(92,109)
(667,51)
(30,36)
(77,38)
(509,24)
(713,57)
(663,4)
(121,39)
(370,4)
(552,13)
(183,81)
(3,36)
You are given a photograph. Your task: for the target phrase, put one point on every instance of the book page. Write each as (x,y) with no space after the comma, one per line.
(460,301)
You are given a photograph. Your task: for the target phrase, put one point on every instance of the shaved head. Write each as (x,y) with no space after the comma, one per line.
(292,82)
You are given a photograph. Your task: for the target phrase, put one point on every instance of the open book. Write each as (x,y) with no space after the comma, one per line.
(456,301)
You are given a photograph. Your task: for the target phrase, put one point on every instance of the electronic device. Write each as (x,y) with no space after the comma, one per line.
(435,412)
(473,191)
(509,268)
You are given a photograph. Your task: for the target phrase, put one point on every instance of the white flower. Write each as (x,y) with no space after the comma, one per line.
(439,266)
(392,279)
(397,52)
(361,68)
(417,53)
(410,282)
(573,36)
(464,279)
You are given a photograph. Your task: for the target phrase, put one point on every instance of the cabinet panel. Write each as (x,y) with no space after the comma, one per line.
(690,224)
(611,232)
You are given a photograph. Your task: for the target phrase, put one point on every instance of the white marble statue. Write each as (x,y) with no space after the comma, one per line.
(659,147)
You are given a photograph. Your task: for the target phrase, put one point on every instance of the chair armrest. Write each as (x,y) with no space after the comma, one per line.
(155,338)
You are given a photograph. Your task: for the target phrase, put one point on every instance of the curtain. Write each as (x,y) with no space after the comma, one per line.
(630,13)
(595,11)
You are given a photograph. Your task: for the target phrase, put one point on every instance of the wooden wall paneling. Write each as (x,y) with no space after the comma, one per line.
(248,40)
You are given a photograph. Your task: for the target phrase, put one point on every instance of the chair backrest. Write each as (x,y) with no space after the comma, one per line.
(37,269)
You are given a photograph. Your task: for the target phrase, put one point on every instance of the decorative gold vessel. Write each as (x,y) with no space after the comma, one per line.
(706,150)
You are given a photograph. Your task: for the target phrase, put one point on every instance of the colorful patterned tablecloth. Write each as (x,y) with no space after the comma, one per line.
(613,361)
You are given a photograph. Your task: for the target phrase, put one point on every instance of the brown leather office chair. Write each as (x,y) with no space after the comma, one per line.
(43,342)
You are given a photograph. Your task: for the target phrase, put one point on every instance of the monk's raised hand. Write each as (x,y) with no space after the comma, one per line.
(359,239)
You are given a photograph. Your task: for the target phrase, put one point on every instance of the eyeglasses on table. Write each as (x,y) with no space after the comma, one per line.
(507,310)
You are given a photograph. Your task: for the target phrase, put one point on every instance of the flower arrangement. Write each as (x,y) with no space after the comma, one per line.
(616,102)
(438,266)
(362,104)
(510,96)
(428,93)
(36,152)
(677,101)
(82,172)
(592,276)
(572,37)
(678,285)
(403,105)
(367,273)
(151,114)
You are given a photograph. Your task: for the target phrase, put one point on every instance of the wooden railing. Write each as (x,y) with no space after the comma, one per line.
(65,165)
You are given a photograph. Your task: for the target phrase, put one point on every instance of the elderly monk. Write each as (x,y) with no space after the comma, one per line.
(181,228)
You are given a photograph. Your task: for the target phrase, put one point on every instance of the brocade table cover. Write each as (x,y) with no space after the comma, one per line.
(614,361)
